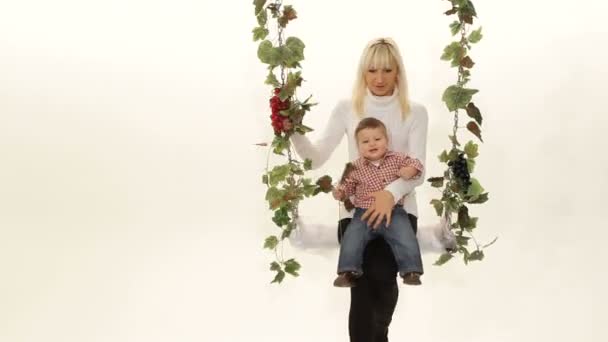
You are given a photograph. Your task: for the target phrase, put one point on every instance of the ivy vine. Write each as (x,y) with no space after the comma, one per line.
(458,188)
(286,183)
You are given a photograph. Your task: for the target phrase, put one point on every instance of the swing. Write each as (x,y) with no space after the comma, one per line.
(287,184)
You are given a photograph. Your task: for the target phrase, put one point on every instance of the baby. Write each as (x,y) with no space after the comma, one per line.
(375,168)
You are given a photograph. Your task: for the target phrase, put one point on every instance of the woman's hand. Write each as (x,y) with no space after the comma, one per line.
(381,208)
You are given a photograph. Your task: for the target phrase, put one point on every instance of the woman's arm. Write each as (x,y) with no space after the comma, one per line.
(417,149)
(324,146)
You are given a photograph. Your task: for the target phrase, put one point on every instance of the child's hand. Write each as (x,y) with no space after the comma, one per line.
(407,172)
(338,194)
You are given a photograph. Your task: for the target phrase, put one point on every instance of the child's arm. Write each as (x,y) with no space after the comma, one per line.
(410,168)
(344,189)
(408,172)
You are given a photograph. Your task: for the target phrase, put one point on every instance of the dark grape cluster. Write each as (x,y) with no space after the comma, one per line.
(277,105)
(461,171)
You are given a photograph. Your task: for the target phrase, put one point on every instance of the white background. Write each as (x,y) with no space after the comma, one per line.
(131,207)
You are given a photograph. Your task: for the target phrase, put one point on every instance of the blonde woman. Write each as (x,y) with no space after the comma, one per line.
(381,92)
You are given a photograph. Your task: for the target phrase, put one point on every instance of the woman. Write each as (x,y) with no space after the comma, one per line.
(380,91)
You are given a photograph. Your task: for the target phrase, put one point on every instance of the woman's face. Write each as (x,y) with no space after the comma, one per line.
(381,82)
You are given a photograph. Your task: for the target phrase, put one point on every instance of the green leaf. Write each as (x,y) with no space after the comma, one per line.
(307,187)
(269,54)
(436,182)
(271,242)
(262,18)
(471,150)
(281,217)
(292,52)
(274,197)
(463,216)
(274,266)
(259,4)
(272,80)
(476,255)
(452,204)
(286,232)
(457,97)
(259,33)
(480,199)
(294,80)
(302,129)
(445,257)
(274,10)
(471,224)
(278,174)
(307,164)
(438,206)
(475,36)
(306,106)
(272,193)
(296,170)
(292,267)
(453,155)
(475,189)
(471,165)
(462,240)
(466,11)
(280,144)
(465,255)
(455,27)
(474,128)
(452,52)
(443,157)
(265,179)
(279,277)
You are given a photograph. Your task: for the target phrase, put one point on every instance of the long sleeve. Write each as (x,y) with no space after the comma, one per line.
(416,149)
(324,146)
(348,186)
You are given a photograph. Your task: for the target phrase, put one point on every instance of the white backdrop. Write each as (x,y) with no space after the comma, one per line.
(131,207)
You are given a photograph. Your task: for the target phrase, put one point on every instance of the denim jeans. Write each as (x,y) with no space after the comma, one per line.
(400,236)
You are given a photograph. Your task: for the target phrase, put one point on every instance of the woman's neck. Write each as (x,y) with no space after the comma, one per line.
(381,100)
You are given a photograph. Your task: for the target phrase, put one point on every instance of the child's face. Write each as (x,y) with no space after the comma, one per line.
(372,143)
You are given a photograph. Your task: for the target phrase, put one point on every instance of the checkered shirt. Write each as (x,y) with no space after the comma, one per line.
(367,178)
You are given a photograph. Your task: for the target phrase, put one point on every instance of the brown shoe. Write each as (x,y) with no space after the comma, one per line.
(346,279)
(412,278)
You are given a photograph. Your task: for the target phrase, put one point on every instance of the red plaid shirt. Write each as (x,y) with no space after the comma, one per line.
(367,178)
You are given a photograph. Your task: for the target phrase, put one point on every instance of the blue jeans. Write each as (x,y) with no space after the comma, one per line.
(400,236)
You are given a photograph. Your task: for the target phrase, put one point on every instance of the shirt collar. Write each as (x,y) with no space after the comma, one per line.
(365,161)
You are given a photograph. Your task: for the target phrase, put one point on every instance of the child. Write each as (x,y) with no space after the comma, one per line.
(372,171)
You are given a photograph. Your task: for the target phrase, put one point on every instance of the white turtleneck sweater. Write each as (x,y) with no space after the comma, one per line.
(406,136)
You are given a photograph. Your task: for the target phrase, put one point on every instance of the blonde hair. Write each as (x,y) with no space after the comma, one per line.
(380,53)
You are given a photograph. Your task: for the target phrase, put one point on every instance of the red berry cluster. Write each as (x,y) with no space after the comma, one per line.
(277,105)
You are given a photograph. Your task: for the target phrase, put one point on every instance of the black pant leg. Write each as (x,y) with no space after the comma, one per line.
(374,299)
(385,296)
